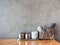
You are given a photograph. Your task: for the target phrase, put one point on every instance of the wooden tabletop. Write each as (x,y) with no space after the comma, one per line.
(28,42)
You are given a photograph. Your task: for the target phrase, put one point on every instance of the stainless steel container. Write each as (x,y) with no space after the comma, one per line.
(21,35)
(27,36)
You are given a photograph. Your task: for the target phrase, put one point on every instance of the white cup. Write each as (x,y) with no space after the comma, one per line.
(34,34)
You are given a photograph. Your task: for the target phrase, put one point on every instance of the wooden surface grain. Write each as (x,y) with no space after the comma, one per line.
(28,42)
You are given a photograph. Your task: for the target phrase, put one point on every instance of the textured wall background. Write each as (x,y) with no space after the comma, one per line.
(26,15)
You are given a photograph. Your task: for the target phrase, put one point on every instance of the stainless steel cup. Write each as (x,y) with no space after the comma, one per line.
(27,36)
(21,35)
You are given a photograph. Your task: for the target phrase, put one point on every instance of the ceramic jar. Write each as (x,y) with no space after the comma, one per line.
(34,35)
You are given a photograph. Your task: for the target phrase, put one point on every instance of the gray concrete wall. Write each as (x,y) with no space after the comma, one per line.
(26,15)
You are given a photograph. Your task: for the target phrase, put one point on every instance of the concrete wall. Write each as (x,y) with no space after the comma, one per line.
(26,15)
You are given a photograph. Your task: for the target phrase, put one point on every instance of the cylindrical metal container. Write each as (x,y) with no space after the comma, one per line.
(27,36)
(21,35)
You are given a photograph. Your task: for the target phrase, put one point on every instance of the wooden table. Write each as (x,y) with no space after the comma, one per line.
(29,42)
